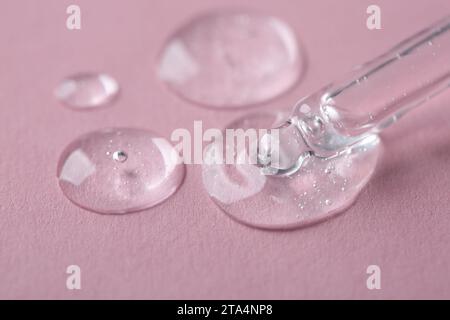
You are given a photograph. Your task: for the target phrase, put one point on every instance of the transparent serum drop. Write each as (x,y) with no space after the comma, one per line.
(119,170)
(87,91)
(308,195)
(228,60)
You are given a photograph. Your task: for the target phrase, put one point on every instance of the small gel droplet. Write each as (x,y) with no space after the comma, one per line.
(87,91)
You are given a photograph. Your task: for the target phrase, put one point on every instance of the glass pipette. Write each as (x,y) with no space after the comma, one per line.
(327,150)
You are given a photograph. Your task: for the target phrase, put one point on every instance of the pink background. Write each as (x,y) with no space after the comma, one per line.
(186,247)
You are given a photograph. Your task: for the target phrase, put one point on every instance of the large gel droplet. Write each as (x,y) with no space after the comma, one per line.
(319,189)
(119,170)
(231,59)
(86,91)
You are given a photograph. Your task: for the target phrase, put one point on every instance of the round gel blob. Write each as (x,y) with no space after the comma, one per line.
(319,189)
(231,60)
(119,170)
(87,91)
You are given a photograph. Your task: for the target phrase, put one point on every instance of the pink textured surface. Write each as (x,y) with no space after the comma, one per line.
(186,247)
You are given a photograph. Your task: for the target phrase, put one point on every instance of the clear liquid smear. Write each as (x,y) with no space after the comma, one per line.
(321,188)
(87,91)
(228,60)
(119,170)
